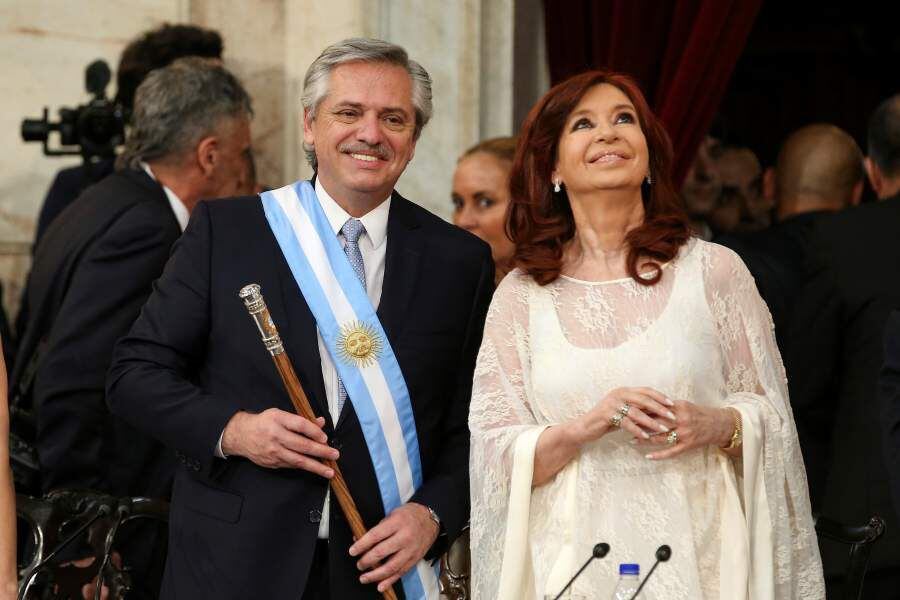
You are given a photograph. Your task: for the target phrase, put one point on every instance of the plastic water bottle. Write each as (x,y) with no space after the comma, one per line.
(629,580)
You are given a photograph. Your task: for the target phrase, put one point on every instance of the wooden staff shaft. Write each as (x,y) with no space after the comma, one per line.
(256,306)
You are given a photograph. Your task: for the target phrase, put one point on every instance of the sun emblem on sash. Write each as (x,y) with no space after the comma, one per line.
(359,343)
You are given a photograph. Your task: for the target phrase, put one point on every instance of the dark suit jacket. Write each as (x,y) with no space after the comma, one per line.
(833,359)
(777,258)
(92,273)
(889,391)
(66,187)
(194,358)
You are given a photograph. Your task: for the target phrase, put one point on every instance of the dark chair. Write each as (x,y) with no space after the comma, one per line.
(70,524)
(860,538)
(456,569)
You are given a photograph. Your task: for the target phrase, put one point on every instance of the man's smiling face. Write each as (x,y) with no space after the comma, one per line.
(363,131)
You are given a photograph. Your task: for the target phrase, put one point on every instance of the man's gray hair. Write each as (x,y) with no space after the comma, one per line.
(315,84)
(177,106)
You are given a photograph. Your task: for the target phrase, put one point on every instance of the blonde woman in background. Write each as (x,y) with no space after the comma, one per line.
(7,501)
(481,196)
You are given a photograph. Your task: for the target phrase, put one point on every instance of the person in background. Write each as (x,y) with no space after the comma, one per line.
(819,170)
(835,352)
(741,206)
(702,187)
(190,140)
(153,50)
(8,578)
(481,196)
(95,268)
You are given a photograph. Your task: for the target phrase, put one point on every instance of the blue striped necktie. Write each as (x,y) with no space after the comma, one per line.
(352,229)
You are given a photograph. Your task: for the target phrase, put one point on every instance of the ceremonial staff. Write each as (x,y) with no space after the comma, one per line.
(258,310)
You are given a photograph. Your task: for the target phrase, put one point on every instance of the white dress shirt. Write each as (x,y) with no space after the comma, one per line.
(372,246)
(178,208)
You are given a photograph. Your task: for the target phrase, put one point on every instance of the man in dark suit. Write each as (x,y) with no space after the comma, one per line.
(194,373)
(94,270)
(819,170)
(835,352)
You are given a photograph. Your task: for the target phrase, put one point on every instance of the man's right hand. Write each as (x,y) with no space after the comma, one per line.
(278,439)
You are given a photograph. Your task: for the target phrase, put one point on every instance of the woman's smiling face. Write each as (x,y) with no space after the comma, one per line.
(602,145)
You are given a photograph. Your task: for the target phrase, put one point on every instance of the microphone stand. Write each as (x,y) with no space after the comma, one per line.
(663,553)
(600,550)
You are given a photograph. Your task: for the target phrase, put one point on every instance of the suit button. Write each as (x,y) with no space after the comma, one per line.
(336,444)
(315,516)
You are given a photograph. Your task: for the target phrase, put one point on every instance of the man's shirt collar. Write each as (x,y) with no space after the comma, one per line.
(375,221)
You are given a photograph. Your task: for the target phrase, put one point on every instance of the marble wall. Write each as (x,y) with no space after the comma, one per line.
(475,51)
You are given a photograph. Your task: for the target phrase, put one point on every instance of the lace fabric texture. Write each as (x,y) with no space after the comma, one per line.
(701,334)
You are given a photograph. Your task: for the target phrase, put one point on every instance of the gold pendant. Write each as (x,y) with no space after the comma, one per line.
(359,343)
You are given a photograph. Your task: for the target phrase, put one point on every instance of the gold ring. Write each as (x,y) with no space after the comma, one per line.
(672,438)
(616,420)
(623,410)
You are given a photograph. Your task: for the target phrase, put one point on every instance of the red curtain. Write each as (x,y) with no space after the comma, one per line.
(682,53)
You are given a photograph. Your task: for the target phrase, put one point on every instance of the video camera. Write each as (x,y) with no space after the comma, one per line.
(92,130)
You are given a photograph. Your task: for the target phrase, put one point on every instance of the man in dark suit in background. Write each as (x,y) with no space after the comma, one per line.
(819,171)
(194,373)
(835,352)
(94,270)
(153,50)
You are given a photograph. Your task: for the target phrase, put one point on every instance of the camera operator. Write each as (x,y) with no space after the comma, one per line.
(152,50)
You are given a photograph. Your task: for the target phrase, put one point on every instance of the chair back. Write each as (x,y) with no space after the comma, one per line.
(456,569)
(860,538)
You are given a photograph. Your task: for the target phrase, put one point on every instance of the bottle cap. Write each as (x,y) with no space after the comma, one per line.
(629,569)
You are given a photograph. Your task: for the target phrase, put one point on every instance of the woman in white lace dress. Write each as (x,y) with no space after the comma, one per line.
(628,389)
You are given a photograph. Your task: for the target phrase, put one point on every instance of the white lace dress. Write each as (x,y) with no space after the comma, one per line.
(738,528)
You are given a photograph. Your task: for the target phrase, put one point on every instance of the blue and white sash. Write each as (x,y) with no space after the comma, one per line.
(374,385)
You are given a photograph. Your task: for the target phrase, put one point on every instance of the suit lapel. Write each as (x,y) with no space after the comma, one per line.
(401,266)
(401,270)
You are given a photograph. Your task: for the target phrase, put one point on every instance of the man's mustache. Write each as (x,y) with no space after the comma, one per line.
(379,151)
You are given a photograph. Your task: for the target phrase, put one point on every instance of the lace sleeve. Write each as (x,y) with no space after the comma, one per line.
(757,387)
(499,415)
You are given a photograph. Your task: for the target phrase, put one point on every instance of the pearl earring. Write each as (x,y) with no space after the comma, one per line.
(556,187)
(649,179)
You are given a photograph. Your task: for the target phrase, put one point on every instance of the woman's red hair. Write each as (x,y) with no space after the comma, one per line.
(540,222)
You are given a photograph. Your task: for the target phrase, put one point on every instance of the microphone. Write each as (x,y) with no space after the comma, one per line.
(599,551)
(663,553)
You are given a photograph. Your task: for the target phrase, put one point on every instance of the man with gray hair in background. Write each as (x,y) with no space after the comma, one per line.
(379,304)
(93,270)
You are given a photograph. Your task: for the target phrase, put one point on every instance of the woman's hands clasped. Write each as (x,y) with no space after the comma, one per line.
(641,411)
(666,427)
(694,426)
